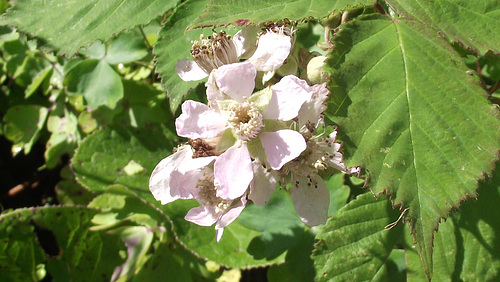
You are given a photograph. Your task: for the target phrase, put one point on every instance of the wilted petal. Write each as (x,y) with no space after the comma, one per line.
(272,51)
(203,215)
(288,97)
(199,121)
(263,184)
(233,172)
(245,41)
(189,70)
(282,146)
(311,200)
(313,108)
(236,80)
(159,182)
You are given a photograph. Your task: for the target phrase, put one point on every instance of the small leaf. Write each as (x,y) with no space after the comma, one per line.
(97,82)
(23,124)
(126,48)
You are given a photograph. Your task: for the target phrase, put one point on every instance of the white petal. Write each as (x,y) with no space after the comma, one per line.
(214,94)
(312,109)
(231,214)
(189,70)
(199,121)
(311,200)
(288,97)
(245,41)
(159,182)
(236,80)
(203,216)
(233,172)
(263,184)
(282,146)
(272,51)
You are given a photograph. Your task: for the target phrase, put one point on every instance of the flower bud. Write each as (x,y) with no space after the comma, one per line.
(315,72)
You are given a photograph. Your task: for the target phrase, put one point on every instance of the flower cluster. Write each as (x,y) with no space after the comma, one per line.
(244,142)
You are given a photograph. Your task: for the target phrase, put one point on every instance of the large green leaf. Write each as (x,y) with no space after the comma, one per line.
(257,11)
(466,246)
(68,25)
(412,117)
(354,245)
(473,23)
(173,36)
(56,239)
(101,158)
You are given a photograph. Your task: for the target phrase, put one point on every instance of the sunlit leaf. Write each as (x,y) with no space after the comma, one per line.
(473,23)
(257,11)
(353,245)
(412,117)
(69,25)
(23,124)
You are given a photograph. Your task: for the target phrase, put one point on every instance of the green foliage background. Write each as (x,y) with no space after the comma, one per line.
(414,93)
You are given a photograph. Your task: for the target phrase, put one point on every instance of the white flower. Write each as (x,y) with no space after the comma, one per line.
(233,169)
(185,176)
(220,49)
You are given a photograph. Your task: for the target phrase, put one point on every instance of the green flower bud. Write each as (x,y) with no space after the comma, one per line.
(315,72)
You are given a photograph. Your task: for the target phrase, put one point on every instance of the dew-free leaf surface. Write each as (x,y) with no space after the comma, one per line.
(473,23)
(412,117)
(67,25)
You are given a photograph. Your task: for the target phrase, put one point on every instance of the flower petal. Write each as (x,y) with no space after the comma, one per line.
(311,200)
(245,41)
(282,146)
(233,172)
(312,109)
(189,70)
(236,80)
(199,121)
(159,183)
(203,215)
(272,51)
(231,214)
(263,184)
(288,97)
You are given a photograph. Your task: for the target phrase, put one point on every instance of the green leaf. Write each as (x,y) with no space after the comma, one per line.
(22,126)
(472,23)
(69,25)
(412,117)
(127,47)
(466,245)
(354,245)
(240,247)
(257,11)
(97,82)
(63,139)
(173,36)
(298,265)
(101,158)
(57,239)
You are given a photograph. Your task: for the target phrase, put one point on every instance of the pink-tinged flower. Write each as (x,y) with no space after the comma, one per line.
(220,49)
(185,176)
(230,94)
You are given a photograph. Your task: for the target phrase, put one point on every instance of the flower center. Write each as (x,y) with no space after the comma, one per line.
(245,120)
(214,51)
(202,148)
(207,194)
